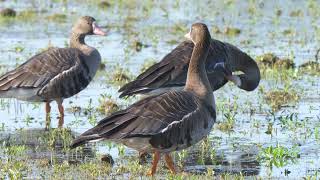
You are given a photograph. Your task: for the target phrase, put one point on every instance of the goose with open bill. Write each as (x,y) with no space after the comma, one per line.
(56,73)
(171,71)
(168,122)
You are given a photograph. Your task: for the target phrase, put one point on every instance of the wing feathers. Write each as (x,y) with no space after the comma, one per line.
(171,71)
(57,73)
(162,74)
(146,117)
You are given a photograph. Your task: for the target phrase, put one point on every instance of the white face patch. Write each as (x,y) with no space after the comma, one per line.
(188,36)
(236,80)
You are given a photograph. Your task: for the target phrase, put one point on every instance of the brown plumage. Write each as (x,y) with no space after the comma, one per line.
(56,73)
(39,73)
(167,122)
(171,71)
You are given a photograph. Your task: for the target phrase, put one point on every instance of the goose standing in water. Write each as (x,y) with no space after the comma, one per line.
(57,73)
(167,122)
(171,71)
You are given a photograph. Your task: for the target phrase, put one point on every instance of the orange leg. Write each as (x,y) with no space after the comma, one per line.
(48,120)
(170,163)
(61,116)
(156,158)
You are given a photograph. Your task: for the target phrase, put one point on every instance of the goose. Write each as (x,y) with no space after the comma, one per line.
(56,73)
(171,121)
(171,71)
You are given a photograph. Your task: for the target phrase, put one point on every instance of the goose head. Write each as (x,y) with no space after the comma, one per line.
(87,25)
(198,33)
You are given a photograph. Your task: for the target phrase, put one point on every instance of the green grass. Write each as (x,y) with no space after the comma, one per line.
(278,98)
(107,105)
(59,18)
(229,112)
(278,156)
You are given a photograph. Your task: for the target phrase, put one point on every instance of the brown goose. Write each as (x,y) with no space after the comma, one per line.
(171,71)
(167,122)
(57,73)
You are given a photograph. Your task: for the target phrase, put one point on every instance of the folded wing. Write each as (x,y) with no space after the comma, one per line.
(44,70)
(153,116)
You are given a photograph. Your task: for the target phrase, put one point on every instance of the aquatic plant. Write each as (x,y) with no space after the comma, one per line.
(296,13)
(279,97)
(269,60)
(181,157)
(229,112)
(119,76)
(278,156)
(107,105)
(14,165)
(310,67)
(8,12)
(207,154)
(231,31)
(290,121)
(60,137)
(28,120)
(94,169)
(104,4)
(59,18)
(179,29)
(19,48)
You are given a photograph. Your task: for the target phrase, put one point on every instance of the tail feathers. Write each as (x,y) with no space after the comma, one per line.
(155,77)
(84,139)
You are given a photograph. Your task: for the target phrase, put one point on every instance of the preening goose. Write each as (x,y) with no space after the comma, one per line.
(171,71)
(57,73)
(167,122)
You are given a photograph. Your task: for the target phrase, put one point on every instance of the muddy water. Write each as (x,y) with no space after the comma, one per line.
(286,28)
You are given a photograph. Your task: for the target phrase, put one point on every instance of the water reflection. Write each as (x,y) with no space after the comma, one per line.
(52,145)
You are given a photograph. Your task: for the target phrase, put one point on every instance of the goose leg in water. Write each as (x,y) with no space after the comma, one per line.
(156,158)
(170,163)
(48,120)
(61,116)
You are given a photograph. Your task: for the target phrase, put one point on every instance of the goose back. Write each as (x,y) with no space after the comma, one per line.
(171,71)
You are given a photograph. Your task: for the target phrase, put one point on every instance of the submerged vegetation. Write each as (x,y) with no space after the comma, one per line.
(280,97)
(270,60)
(61,18)
(10,15)
(107,105)
(8,12)
(118,76)
(229,112)
(278,156)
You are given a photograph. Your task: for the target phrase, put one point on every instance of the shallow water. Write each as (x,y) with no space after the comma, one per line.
(161,25)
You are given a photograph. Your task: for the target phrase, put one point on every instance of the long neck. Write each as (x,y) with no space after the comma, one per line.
(77,41)
(197,80)
(244,63)
(251,77)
